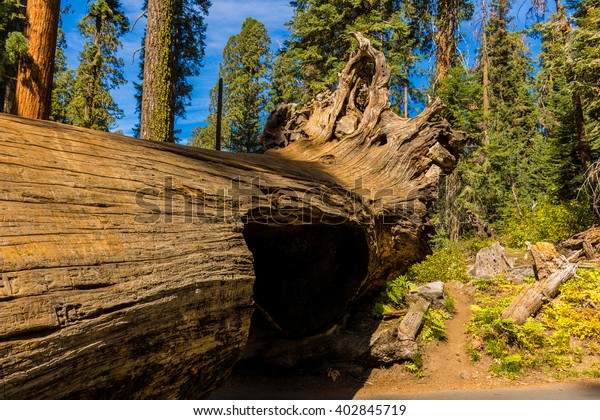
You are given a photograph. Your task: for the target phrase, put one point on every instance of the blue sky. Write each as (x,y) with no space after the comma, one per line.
(224,20)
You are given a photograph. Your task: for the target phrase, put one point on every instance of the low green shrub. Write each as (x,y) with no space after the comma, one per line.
(554,340)
(548,221)
(434,325)
(447,263)
(393,297)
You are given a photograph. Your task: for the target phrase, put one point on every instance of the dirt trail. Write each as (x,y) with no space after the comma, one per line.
(446,364)
(448,361)
(447,373)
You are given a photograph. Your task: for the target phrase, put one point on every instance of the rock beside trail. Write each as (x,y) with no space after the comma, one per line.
(518,274)
(432,292)
(490,261)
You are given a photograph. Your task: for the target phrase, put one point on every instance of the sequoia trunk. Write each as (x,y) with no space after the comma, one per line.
(34,81)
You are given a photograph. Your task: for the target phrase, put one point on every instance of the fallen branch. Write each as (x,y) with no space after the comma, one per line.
(531,299)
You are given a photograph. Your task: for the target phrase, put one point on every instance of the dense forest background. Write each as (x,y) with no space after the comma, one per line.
(531,118)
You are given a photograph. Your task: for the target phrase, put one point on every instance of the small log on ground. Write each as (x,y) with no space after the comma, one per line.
(534,295)
(411,323)
(129,268)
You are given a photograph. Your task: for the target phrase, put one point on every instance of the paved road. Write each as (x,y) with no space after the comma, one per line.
(569,391)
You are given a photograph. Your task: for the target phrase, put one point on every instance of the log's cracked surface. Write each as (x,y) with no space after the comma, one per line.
(128,268)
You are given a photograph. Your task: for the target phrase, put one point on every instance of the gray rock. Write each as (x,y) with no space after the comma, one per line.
(432,292)
(490,261)
(520,273)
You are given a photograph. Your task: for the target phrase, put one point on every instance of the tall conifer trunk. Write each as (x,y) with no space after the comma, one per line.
(34,81)
(157,116)
(445,40)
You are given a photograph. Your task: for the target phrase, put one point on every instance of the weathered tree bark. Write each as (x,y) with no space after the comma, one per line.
(546,259)
(157,110)
(578,241)
(531,299)
(445,37)
(411,323)
(589,250)
(129,267)
(34,82)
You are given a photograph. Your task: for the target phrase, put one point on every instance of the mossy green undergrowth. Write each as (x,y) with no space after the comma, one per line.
(448,262)
(393,296)
(555,341)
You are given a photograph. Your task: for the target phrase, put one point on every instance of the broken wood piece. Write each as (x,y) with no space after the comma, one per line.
(546,259)
(484,230)
(411,323)
(534,295)
(591,236)
(575,255)
(590,252)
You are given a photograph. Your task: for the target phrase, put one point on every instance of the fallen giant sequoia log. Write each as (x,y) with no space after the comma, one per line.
(129,267)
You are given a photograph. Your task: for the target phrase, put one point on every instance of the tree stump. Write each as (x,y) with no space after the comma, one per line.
(129,267)
(546,259)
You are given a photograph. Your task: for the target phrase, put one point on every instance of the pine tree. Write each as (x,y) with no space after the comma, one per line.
(512,124)
(64,79)
(586,67)
(173,52)
(448,16)
(244,69)
(206,136)
(502,163)
(568,89)
(100,70)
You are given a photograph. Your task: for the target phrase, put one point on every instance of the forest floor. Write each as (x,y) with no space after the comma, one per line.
(447,373)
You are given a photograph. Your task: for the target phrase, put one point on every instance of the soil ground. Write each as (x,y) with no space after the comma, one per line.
(447,373)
